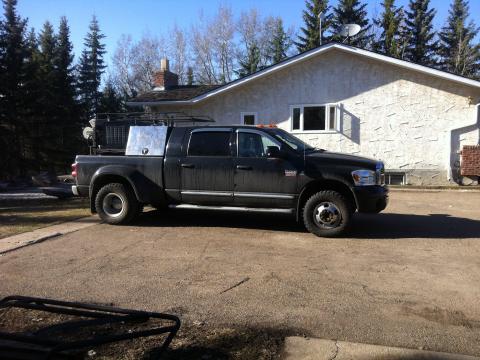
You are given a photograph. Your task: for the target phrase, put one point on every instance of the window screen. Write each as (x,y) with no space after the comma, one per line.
(209,143)
(314,118)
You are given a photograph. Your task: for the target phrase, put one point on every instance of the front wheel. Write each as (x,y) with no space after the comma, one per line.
(327,214)
(116,204)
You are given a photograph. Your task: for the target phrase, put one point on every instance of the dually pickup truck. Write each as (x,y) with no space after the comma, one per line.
(231,168)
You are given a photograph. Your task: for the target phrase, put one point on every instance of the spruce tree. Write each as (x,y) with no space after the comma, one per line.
(12,78)
(251,61)
(190,76)
(279,43)
(111,101)
(421,47)
(310,37)
(50,129)
(32,88)
(67,108)
(390,21)
(90,70)
(352,12)
(457,52)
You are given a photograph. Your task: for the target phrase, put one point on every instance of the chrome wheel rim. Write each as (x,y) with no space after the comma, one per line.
(113,205)
(327,215)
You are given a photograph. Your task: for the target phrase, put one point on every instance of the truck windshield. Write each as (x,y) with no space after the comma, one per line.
(292,141)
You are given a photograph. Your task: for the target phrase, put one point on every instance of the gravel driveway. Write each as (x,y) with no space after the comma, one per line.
(409,277)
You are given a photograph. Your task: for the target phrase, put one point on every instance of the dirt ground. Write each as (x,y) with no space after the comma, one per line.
(408,277)
(18,215)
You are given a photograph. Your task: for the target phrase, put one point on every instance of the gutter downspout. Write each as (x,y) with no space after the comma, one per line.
(476,122)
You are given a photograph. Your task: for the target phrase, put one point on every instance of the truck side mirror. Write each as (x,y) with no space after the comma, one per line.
(273,152)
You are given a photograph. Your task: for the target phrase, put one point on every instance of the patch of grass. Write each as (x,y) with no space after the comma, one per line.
(18,216)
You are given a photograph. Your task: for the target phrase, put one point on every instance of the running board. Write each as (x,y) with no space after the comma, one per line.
(232,208)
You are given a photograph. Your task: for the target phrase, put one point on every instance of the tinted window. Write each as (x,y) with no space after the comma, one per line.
(253,145)
(206,143)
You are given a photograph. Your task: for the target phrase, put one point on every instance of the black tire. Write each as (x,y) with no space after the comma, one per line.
(116,204)
(327,214)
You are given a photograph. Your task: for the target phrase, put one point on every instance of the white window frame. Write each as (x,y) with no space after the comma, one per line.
(243,113)
(327,118)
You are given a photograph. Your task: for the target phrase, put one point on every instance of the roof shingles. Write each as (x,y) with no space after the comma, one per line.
(175,93)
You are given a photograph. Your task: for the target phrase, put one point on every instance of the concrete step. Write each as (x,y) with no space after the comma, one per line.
(299,348)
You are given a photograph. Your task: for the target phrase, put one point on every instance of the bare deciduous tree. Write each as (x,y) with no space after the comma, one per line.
(213,47)
(147,53)
(122,75)
(178,53)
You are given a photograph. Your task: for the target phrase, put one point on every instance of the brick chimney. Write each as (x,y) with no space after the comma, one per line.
(164,79)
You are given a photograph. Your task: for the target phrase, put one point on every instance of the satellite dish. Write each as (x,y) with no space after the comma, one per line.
(349,30)
(88,133)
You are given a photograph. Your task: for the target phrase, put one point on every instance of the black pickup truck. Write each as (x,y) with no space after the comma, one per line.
(231,168)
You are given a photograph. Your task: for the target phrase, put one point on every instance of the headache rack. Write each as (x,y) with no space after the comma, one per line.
(110,130)
(69,330)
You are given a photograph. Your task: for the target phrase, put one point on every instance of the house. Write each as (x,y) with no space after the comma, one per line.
(341,98)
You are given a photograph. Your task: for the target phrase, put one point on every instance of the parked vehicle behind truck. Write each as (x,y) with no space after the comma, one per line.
(231,168)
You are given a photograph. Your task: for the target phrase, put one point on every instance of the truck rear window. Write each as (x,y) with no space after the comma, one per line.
(206,143)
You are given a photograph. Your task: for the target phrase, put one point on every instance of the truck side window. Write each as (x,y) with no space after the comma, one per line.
(253,145)
(205,143)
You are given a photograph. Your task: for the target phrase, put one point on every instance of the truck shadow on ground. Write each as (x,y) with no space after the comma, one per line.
(364,226)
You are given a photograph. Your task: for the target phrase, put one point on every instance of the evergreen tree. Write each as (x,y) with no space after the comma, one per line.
(279,43)
(421,47)
(310,37)
(50,128)
(390,21)
(12,77)
(111,101)
(458,53)
(190,76)
(352,12)
(250,63)
(67,108)
(32,90)
(90,70)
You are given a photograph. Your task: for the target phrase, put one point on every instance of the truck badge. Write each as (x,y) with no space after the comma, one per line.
(290,172)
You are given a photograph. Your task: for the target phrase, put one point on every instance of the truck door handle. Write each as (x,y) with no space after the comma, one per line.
(187,166)
(244,167)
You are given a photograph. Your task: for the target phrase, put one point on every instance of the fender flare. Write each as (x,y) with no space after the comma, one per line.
(323,183)
(144,189)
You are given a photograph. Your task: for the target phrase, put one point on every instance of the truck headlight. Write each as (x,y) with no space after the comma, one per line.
(364,177)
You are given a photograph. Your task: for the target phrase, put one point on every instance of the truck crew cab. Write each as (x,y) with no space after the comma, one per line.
(232,168)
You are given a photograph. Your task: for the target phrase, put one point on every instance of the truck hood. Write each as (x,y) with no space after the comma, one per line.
(334,158)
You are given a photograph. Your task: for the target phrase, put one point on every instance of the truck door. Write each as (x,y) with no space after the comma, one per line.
(260,180)
(207,167)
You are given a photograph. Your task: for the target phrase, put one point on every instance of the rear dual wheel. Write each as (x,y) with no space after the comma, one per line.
(327,214)
(116,204)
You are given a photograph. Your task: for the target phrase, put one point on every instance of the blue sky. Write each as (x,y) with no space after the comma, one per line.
(118,17)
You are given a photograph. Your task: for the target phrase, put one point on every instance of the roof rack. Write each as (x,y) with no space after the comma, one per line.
(155,118)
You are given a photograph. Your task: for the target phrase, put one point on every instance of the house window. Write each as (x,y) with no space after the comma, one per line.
(315,118)
(248,118)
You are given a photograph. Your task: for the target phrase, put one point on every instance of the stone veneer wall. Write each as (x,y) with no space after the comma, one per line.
(415,123)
